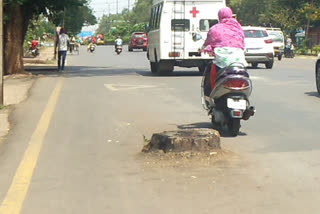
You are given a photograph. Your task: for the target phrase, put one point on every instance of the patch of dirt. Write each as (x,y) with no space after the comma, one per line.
(190,159)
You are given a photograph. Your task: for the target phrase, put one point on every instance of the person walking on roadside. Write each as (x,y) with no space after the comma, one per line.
(63,41)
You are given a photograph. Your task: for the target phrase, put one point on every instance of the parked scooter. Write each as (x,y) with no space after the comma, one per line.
(228,102)
(119,49)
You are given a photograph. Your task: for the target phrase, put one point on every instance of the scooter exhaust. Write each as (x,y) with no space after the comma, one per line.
(248,113)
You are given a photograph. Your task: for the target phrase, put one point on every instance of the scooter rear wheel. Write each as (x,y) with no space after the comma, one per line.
(234,127)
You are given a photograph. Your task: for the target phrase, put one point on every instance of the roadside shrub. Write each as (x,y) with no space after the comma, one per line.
(303,49)
(316,49)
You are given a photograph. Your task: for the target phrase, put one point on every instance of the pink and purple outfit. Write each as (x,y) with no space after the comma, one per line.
(226,41)
(227,33)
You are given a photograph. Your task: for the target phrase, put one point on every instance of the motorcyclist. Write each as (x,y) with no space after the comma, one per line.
(117,42)
(91,44)
(72,44)
(225,40)
(34,44)
(288,47)
(34,47)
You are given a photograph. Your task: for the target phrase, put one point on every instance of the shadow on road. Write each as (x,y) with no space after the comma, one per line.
(312,94)
(203,125)
(85,71)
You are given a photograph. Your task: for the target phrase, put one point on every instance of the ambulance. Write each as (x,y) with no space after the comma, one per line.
(172,29)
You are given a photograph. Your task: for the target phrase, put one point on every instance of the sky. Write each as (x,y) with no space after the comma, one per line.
(104,7)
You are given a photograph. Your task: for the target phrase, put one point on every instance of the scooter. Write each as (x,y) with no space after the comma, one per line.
(34,52)
(119,49)
(288,51)
(228,102)
(92,48)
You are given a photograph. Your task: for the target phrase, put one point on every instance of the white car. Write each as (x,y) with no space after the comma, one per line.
(278,41)
(318,74)
(258,46)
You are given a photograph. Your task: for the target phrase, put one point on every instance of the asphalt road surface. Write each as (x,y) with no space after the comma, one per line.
(75,143)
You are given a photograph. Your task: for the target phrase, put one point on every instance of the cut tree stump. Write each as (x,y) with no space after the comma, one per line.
(184,140)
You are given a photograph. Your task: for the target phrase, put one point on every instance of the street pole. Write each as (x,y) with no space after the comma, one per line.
(1,54)
(64,16)
(117,6)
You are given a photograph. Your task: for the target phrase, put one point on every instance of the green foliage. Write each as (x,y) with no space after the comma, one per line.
(287,14)
(37,29)
(316,49)
(127,22)
(76,17)
(55,10)
(303,49)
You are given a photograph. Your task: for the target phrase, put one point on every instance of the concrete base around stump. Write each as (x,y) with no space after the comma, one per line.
(184,140)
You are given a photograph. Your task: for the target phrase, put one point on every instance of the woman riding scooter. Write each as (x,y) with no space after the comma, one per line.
(225,41)
(226,85)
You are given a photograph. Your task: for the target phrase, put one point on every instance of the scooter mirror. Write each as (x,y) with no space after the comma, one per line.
(196,37)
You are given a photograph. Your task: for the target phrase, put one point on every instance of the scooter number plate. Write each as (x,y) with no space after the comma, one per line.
(237,104)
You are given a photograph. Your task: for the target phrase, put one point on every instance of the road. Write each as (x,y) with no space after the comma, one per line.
(75,143)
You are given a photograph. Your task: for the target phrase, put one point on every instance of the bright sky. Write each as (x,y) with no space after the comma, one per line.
(103,7)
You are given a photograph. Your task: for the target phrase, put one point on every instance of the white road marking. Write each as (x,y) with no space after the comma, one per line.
(119,87)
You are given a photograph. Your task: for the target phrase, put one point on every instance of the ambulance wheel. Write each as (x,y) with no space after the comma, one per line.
(153,67)
(163,68)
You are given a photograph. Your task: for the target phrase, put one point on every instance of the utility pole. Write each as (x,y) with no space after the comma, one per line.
(1,54)
(64,16)
(117,6)
(128,5)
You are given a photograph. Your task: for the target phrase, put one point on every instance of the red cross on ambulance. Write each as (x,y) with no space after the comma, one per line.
(194,12)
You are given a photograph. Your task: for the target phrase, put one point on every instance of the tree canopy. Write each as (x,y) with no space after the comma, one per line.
(127,22)
(287,14)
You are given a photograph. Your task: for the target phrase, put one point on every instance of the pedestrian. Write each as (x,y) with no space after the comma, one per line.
(63,41)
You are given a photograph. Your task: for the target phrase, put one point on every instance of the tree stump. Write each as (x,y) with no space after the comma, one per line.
(184,140)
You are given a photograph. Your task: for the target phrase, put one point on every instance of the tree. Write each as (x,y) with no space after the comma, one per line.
(76,17)
(126,22)
(287,14)
(19,14)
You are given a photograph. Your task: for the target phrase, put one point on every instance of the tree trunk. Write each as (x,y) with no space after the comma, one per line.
(13,40)
(308,23)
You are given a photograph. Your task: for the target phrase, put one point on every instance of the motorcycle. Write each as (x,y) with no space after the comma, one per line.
(228,102)
(92,48)
(34,52)
(288,51)
(119,49)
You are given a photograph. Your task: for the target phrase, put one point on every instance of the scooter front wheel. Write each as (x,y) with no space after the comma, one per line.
(234,127)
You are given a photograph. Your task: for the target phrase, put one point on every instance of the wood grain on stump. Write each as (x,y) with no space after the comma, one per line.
(184,140)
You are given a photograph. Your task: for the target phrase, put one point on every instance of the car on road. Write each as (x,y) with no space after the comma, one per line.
(318,74)
(277,41)
(139,40)
(258,46)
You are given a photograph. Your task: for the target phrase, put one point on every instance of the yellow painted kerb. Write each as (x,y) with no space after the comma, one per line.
(14,199)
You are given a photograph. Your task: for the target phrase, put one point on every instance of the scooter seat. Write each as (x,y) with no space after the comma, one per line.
(232,70)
